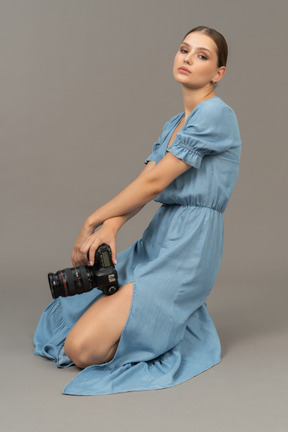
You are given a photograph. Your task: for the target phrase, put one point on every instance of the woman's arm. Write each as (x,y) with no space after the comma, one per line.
(88,240)
(106,234)
(118,221)
(150,183)
(142,190)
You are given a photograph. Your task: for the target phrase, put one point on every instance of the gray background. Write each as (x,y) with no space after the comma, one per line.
(86,87)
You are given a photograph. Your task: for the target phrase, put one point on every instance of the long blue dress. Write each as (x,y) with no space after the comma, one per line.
(169,335)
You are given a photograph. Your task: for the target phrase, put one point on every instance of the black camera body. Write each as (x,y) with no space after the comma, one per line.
(80,279)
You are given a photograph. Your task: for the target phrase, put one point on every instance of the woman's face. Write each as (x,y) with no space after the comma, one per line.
(198,54)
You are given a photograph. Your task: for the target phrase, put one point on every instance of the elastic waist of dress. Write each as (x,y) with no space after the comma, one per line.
(193,205)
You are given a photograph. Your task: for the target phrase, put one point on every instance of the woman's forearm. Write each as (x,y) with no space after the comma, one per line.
(117,222)
(132,198)
(146,187)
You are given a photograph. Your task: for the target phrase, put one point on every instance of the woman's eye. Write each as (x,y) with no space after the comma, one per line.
(203,57)
(182,49)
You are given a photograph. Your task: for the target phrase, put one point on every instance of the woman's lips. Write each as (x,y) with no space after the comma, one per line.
(183,70)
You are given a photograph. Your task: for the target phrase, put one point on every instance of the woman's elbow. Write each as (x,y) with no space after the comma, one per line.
(156,187)
(152,184)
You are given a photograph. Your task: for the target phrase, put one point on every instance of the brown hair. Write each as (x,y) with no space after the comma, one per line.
(218,38)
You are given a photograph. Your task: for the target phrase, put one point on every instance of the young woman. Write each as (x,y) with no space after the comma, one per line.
(156,332)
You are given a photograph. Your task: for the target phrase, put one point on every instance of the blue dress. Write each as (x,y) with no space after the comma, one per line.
(169,336)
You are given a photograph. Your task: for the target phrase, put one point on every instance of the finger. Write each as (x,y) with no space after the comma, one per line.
(84,249)
(113,252)
(77,258)
(74,258)
(92,251)
(76,261)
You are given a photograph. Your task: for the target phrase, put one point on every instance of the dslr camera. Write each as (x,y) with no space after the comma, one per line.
(77,280)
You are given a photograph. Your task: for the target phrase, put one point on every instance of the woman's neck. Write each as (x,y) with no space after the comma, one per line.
(192,97)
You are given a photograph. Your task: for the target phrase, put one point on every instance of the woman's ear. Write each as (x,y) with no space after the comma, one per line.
(220,73)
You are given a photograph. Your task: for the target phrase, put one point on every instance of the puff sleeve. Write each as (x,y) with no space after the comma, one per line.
(157,144)
(212,129)
(155,147)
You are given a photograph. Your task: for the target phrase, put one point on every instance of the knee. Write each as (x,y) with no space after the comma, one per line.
(81,353)
(74,350)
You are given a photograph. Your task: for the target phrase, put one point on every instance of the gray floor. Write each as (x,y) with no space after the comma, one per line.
(247,391)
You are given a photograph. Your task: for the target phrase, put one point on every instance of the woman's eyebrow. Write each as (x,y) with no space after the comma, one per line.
(199,48)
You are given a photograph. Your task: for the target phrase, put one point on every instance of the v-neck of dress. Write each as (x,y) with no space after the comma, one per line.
(174,128)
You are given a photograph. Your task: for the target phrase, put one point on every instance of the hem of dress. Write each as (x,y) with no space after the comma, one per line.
(66,391)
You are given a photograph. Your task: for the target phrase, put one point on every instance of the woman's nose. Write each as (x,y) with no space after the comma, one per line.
(188,58)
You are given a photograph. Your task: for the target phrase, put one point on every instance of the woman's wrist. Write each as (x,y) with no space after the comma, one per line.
(90,224)
(114,224)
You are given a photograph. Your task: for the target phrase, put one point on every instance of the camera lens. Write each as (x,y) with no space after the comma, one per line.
(71,281)
(57,284)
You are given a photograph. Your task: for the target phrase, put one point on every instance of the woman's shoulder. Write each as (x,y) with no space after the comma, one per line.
(214,106)
(210,111)
(214,109)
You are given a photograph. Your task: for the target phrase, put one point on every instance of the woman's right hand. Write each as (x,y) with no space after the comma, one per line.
(78,257)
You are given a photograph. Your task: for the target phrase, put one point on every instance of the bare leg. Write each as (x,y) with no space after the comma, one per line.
(95,336)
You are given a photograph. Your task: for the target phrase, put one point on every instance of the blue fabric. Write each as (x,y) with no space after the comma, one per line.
(169,335)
